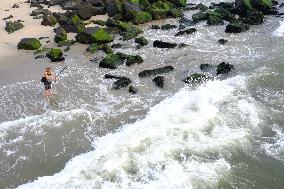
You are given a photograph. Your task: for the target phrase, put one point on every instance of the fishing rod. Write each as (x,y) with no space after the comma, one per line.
(61,71)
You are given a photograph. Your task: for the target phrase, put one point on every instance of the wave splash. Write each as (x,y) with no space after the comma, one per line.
(184,142)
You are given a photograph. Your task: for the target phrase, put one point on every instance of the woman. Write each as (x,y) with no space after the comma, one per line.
(49,77)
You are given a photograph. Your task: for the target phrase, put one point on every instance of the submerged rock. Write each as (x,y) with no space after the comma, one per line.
(153,72)
(13,26)
(168,26)
(29,44)
(116,45)
(222,41)
(132,90)
(109,76)
(236,27)
(121,83)
(141,41)
(200,16)
(159,81)
(224,68)
(161,44)
(205,67)
(111,61)
(196,78)
(187,31)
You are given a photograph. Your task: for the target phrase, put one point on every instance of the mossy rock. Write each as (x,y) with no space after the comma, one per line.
(93,48)
(168,26)
(196,78)
(236,27)
(131,33)
(179,3)
(60,35)
(134,59)
(113,7)
(107,49)
(29,44)
(175,13)
(66,43)
(94,35)
(78,23)
(200,16)
(214,18)
(123,26)
(141,41)
(111,61)
(159,10)
(13,26)
(49,20)
(55,55)
(141,17)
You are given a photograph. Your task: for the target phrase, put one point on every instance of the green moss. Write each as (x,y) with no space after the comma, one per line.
(101,36)
(141,17)
(247,4)
(49,20)
(175,13)
(66,43)
(131,33)
(141,41)
(99,22)
(266,3)
(55,53)
(159,10)
(111,61)
(13,26)
(41,50)
(60,35)
(214,18)
(29,44)
(76,21)
(93,48)
(180,3)
(107,49)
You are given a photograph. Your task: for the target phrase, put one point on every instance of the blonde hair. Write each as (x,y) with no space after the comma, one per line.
(48,71)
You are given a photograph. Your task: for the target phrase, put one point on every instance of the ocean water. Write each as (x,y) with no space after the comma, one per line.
(226,133)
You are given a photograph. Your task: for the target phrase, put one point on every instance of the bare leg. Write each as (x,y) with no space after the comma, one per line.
(50,92)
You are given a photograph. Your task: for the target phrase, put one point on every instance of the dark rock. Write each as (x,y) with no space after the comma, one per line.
(111,61)
(141,41)
(116,45)
(236,27)
(174,13)
(16,5)
(29,44)
(113,7)
(153,72)
(49,20)
(182,45)
(109,76)
(133,59)
(132,90)
(13,26)
(201,7)
(155,27)
(93,48)
(168,27)
(66,49)
(222,41)
(55,55)
(224,68)
(39,56)
(66,43)
(200,16)
(187,31)
(186,22)
(161,44)
(60,34)
(9,17)
(196,78)
(214,18)
(179,3)
(70,22)
(253,17)
(159,81)
(40,12)
(107,49)
(205,67)
(121,83)
(131,33)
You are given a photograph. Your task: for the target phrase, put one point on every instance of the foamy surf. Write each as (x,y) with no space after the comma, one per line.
(279,32)
(186,139)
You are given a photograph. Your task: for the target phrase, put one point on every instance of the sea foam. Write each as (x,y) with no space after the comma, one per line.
(184,142)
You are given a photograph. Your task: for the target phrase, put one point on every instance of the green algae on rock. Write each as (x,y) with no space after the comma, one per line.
(29,44)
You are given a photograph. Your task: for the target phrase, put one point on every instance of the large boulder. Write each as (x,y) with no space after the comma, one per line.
(29,44)
(111,61)
(94,35)
(162,44)
(13,26)
(157,71)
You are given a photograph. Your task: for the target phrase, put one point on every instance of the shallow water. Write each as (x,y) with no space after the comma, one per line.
(227,133)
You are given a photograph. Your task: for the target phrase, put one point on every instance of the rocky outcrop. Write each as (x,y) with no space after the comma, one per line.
(159,81)
(29,44)
(224,68)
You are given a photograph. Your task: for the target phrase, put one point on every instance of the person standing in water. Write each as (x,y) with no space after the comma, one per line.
(49,77)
